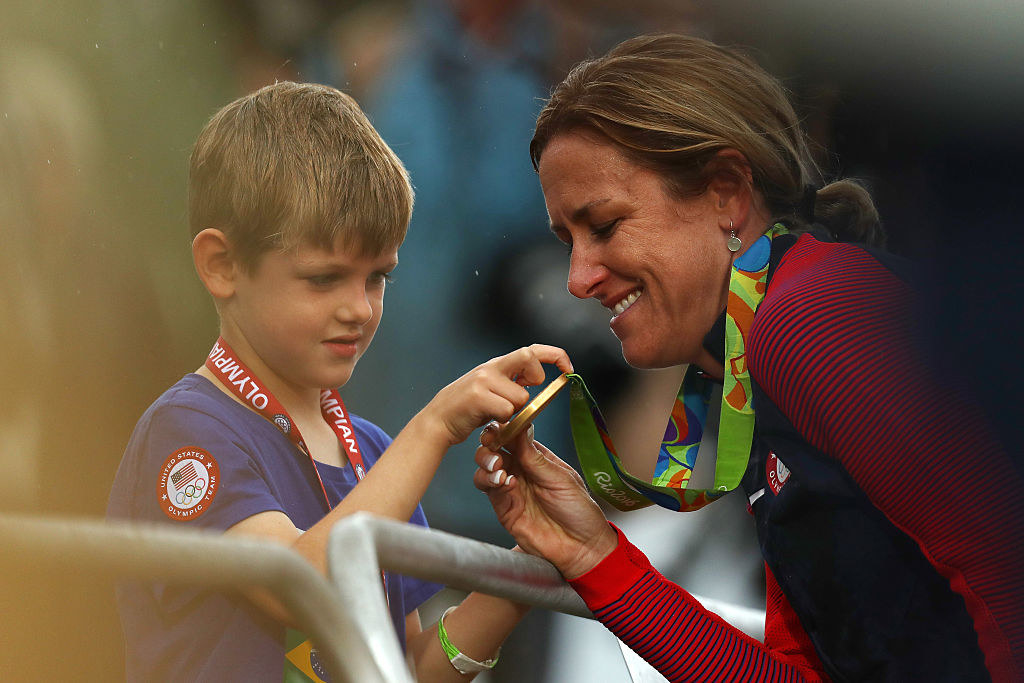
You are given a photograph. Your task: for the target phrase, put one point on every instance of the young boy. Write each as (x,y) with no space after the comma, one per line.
(297,210)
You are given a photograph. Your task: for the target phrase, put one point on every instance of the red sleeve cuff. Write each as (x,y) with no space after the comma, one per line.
(614,575)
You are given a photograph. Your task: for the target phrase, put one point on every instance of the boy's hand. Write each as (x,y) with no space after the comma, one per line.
(492,391)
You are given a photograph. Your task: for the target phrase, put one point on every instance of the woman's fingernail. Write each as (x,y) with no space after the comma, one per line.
(496,477)
(508,482)
(490,463)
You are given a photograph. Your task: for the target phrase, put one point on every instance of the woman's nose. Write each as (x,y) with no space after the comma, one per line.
(585,274)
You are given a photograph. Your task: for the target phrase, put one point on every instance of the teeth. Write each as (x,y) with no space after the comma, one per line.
(618,308)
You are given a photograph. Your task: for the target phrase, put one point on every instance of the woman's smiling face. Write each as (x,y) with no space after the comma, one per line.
(657,262)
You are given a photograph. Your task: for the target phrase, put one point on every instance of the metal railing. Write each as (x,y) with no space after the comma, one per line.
(361,545)
(193,557)
(347,617)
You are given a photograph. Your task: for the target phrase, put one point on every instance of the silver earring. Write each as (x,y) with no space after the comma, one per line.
(734,242)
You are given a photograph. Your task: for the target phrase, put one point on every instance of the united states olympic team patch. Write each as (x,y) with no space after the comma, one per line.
(187,483)
(777,472)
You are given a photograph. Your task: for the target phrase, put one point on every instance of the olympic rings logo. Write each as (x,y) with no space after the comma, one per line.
(191,493)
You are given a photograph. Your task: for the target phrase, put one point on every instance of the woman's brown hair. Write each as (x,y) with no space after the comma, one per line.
(670,103)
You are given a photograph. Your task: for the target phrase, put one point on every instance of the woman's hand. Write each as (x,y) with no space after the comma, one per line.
(491,391)
(543,503)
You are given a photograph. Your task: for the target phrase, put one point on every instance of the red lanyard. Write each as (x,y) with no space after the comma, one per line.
(243,383)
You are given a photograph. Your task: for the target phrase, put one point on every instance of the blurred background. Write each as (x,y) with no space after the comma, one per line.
(100,311)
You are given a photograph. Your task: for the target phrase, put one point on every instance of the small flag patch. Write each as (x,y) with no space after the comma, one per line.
(187,483)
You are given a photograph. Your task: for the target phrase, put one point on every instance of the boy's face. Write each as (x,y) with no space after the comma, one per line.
(309,314)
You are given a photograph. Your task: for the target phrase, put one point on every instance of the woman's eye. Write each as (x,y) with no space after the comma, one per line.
(605,229)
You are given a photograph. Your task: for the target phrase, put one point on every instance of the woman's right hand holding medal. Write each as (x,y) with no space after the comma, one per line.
(543,503)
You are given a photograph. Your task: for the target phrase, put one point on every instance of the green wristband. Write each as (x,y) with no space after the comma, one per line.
(462,663)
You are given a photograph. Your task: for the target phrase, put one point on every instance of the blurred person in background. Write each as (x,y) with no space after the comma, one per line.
(679,176)
(63,276)
(77,311)
(50,122)
(75,303)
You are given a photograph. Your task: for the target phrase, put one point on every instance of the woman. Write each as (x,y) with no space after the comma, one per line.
(674,168)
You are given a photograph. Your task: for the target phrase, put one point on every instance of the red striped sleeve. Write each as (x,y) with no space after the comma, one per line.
(834,345)
(666,626)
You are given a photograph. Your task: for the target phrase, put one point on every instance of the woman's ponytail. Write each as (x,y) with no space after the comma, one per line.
(847,211)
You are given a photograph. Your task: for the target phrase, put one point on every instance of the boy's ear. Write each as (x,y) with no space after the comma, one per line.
(211,253)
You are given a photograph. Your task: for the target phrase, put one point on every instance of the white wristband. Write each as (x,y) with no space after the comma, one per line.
(462,663)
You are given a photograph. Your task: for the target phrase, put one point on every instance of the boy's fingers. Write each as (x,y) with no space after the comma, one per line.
(502,402)
(492,379)
(518,396)
(552,355)
(526,365)
(522,366)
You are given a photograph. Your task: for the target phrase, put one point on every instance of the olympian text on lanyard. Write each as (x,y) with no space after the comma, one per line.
(224,363)
(243,383)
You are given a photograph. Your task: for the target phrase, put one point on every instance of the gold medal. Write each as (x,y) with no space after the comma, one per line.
(525,416)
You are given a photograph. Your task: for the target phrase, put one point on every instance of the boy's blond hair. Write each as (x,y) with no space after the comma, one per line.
(294,164)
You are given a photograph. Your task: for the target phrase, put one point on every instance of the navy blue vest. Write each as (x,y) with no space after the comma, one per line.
(871,603)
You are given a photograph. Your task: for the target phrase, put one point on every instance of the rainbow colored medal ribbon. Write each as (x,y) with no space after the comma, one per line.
(602,469)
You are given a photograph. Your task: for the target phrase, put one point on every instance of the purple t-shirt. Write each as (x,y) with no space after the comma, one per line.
(199,459)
